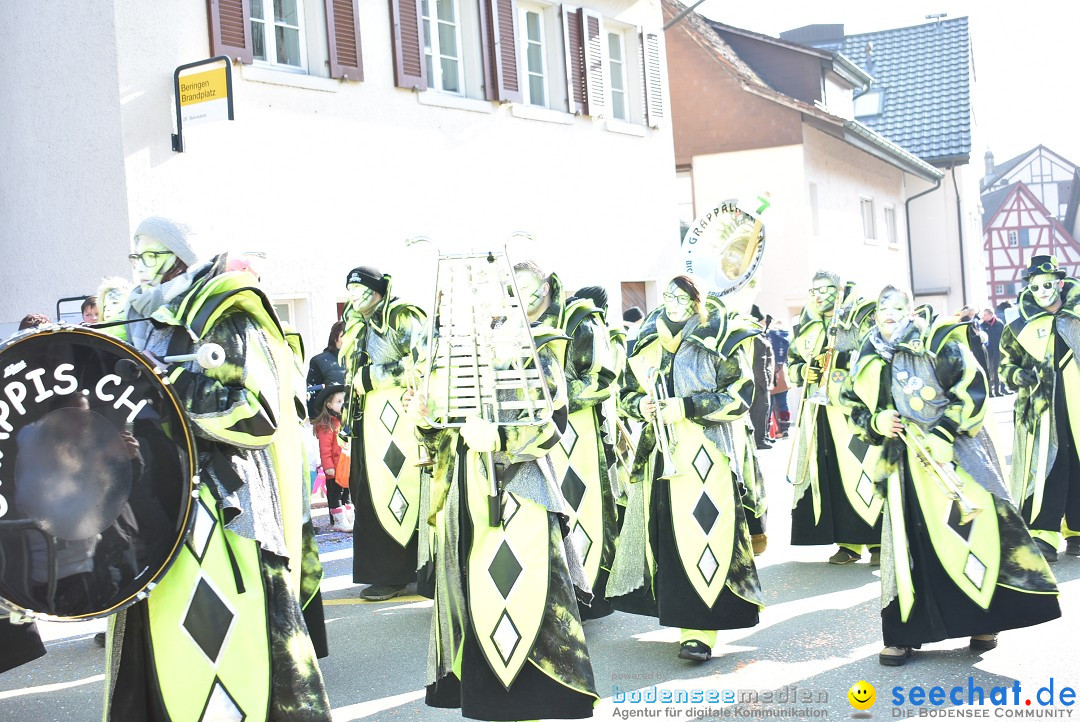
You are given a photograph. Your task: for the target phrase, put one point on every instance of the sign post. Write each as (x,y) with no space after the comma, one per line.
(203,93)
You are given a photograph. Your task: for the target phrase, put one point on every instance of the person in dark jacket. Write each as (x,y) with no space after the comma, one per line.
(992,327)
(324,368)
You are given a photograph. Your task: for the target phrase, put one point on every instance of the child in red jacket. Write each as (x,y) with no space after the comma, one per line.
(326,426)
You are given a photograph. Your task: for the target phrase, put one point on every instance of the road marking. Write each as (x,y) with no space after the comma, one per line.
(52,687)
(407,600)
(366,709)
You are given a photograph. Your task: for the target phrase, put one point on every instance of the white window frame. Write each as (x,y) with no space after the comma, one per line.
(524,41)
(270,38)
(999,289)
(869,222)
(619,72)
(1012,238)
(892,237)
(433,51)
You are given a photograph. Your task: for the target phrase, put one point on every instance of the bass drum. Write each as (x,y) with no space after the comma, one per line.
(96,474)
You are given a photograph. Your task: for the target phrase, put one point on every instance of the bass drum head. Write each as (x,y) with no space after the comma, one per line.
(96,474)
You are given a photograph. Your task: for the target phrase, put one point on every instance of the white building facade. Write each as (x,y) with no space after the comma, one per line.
(564,135)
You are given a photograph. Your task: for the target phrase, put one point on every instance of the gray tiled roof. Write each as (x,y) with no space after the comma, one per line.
(924,73)
(991,202)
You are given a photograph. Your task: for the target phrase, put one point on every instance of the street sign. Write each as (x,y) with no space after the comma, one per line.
(202,95)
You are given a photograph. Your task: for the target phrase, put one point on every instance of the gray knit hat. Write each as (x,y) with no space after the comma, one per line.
(171,234)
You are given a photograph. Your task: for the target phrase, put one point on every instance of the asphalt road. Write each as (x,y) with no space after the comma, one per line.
(818,636)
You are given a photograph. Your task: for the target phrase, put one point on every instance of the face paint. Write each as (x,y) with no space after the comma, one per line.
(532,291)
(678,306)
(159,258)
(1046,288)
(363,298)
(112,305)
(822,295)
(891,313)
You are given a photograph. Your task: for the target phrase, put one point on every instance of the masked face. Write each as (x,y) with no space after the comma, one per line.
(1046,288)
(151,261)
(534,292)
(363,299)
(891,313)
(678,306)
(823,295)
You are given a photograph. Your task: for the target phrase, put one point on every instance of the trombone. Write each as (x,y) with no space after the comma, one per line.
(666,439)
(945,475)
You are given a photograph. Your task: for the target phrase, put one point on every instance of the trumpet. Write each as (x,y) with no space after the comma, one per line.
(666,439)
(950,482)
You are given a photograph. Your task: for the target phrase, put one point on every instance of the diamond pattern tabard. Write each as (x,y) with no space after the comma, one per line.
(582,540)
(975,570)
(573,488)
(399,505)
(858,448)
(707,565)
(865,489)
(962,530)
(506,637)
(220,705)
(569,438)
(504,570)
(703,463)
(394,459)
(202,530)
(389,417)
(706,512)
(208,620)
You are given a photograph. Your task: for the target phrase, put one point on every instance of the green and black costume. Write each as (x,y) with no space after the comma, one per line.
(506,638)
(1045,478)
(583,458)
(941,577)
(384,481)
(833,500)
(223,635)
(684,552)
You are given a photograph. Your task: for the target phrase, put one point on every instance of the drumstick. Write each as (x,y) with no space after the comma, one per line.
(209,356)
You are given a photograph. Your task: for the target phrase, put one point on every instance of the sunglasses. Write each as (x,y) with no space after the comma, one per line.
(1047,285)
(681,300)
(147,258)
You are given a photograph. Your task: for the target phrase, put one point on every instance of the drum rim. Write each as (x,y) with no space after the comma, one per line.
(193,483)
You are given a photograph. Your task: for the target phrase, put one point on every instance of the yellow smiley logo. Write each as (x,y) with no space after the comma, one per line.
(862,695)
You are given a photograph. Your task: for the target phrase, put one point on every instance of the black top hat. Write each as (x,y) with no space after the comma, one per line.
(1043,264)
(320,398)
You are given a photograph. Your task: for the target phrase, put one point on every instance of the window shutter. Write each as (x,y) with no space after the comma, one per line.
(230,29)
(575,61)
(593,49)
(654,88)
(500,51)
(407,38)
(343,32)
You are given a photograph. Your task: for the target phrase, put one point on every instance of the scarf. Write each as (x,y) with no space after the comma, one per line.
(144,300)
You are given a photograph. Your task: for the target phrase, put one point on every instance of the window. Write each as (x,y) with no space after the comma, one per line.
(534,62)
(616,48)
(1025,236)
(442,43)
(890,226)
(1013,240)
(999,289)
(869,103)
(869,230)
(276,33)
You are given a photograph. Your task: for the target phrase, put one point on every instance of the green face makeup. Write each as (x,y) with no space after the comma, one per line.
(822,294)
(890,314)
(678,306)
(531,288)
(152,261)
(1046,288)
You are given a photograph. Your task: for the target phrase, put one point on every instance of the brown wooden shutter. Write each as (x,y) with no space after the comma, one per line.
(407,38)
(498,24)
(593,47)
(575,61)
(654,79)
(230,29)
(343,32)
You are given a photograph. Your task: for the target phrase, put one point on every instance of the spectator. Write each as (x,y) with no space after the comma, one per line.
(778,406)
(324,368)
(33,320)
(764,369)
(976,336)
(632,318)
(89,310)
(991,326)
